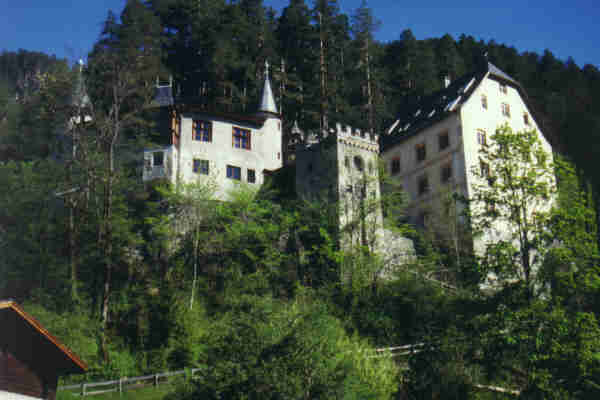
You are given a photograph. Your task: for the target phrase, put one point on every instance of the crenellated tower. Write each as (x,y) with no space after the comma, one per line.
(341,165)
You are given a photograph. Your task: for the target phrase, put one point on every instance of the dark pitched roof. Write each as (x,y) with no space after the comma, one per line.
(441,104)
(32,341)
(163,96)
(249,119)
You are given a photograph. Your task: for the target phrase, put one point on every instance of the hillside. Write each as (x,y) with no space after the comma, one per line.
(141,278)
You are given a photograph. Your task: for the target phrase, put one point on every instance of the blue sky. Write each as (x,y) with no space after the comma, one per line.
(68,28)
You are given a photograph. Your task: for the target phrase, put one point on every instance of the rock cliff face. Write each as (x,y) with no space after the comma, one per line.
(396,250)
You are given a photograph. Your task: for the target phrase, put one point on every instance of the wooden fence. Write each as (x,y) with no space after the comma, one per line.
(122,384)
(125,383)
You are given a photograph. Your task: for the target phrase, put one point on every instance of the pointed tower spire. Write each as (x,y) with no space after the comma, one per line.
(79,97)
(267,104)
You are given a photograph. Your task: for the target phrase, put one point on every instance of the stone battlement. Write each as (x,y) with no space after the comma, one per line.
(343,134)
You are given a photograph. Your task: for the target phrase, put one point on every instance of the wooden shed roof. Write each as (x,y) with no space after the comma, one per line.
(31,342)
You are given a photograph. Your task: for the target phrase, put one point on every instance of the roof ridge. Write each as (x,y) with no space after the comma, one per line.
(38,326)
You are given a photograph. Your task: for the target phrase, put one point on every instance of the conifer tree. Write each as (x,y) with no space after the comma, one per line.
(122,64)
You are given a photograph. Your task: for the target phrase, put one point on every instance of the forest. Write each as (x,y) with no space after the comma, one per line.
(143,278)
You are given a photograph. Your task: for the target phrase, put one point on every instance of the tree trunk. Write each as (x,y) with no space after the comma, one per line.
(323,76)
(196,245)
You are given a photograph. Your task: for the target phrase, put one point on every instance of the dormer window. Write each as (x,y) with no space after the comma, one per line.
(506,109)
(484,103)
(503,88)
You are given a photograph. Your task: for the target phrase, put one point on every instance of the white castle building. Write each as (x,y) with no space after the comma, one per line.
(429,150)
(434,147)
(213,147)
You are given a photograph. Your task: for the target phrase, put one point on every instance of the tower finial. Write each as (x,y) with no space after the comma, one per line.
(268,101)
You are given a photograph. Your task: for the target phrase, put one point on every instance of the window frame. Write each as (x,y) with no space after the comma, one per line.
(481,137)
(484,102)
(484,169)
(251,173)
(230,172)
(446,177)
(198,165)
(526,119)
(503,88)
(201,131)
(423,185)
(421,152)
(505,109)
(395,166)
(359,163)
(241,138)
(446,143)
(162,158)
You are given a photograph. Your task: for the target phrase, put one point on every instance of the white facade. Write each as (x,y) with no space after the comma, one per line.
(15,396)
(473,113)
(221,150)
(475,118)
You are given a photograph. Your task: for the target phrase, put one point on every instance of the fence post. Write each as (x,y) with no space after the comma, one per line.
(120,386)
(155,379)
(83,390)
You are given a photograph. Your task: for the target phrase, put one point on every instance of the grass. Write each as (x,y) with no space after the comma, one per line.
(147,393)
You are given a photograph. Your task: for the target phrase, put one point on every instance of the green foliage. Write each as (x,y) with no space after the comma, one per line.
(513,193)
(263,348)
(220,285)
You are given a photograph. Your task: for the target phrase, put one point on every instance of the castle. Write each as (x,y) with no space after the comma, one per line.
(431,148)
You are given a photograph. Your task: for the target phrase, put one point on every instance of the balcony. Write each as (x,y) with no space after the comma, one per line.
(158,163)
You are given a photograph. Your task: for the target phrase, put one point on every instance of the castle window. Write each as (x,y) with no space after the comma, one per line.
(503,88)
(506,109)
(423,219)
(234,172)
(241,138)
(444,140)
(484,101)
(484,169)
(421,151)
(251,176)
(446,173)
(200,167)
(526,119)
(395,165)
(359,163)
(202,131)
(481,137)
(423,185)
(158,158)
